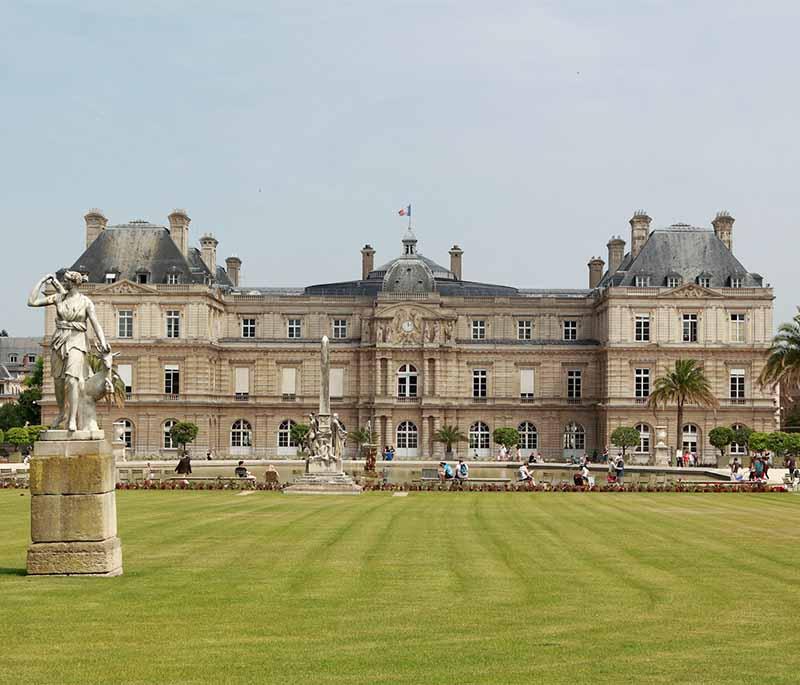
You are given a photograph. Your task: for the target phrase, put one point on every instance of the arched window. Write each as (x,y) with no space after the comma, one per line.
(285,434)
(690,438)
(479,436)
(735,447)
(644,438)
(241,434)
(574,436)
(528,437)
(168,443)
(407,436)
(407,381)
(127,432)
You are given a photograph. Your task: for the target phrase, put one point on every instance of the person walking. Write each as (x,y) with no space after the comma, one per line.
(619,469)
(184,467)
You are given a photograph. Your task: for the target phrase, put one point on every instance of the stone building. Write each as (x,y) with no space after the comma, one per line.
(416,346)
(17,359)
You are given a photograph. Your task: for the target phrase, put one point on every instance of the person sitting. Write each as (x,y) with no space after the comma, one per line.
(445,471)
(524,475)
(241,471)
(389,453)
(271,474)
(462,470)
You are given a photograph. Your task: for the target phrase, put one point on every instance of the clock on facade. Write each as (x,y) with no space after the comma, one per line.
(408,326)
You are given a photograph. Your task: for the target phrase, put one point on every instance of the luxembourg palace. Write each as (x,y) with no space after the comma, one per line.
(415,345)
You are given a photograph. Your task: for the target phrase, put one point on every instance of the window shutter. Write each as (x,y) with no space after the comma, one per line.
(288,380)
(242,376)
(125,372)
(337,382)
(526,381)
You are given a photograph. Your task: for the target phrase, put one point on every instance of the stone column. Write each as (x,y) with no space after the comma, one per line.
(73,509)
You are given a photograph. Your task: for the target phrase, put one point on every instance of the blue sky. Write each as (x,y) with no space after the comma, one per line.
(527,132)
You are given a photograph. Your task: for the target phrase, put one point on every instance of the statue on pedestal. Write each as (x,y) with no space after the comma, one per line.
(76,390)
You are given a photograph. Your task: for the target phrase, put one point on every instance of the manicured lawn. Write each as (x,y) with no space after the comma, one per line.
(429,588)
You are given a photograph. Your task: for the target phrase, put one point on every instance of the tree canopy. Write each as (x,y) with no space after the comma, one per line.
(449,435)
(183,433)
(508,437)
(624,437)
(721,437)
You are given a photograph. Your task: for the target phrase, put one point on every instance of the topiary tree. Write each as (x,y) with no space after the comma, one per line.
(721,437)
(741,436)
(297,434)
(624,437)
(449,436)
(183,433)
(19,437)
(777,442)
(507,437)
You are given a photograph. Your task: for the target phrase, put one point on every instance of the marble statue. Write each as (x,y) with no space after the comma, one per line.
(77,390)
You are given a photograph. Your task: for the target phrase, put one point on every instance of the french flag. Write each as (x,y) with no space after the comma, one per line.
(406,211)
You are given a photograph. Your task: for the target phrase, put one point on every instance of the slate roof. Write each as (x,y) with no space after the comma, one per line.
(685,251)
(130,249)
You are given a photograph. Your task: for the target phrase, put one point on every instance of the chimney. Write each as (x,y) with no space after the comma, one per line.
(232,266)
(640,231)
(723,228)
(208,250)
(367,261)
(595,271)
(96,223)
(179,229)
(616,251)
(455,260)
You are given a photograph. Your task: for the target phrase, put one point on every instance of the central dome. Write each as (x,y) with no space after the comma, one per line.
(409,274)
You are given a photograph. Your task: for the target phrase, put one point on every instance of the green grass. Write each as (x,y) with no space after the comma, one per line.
(429,588)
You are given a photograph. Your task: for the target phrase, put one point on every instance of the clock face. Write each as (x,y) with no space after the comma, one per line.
(408,326)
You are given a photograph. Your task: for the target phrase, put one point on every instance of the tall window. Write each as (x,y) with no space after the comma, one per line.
(524,329)
(173,323)
(125,323)
(644,438)
(737,384)
(570,330)
(641,331)
(285,434)
(241,434)
(574,382)
(642,383)
(526,380)
(293,328)
(127,432)
(337,383)
(407,381)
(288,382)
(125,372)
(167,427)
(574,436)
(736,282)
(737,328)
(690,328)
(340,328)
(407,436)
(241,383)
(479,377)
(248,328)
(479,436)
(528,437)
(172,379)
(642,281)
(478,329)
(738,448)
(173,279)
(704,281)
(689,441)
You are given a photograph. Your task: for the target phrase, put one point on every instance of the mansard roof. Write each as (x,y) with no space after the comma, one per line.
(141,247)
(685,251)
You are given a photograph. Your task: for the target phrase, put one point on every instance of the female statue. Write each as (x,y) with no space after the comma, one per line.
(68,347)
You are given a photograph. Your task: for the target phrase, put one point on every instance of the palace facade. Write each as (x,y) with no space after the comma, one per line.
(415,345)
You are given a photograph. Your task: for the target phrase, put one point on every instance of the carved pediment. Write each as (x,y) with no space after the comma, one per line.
(691,290)
(126,287)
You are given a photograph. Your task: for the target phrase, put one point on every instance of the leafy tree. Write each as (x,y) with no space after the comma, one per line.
(721,437)
(624,437)
(783,362)
(741,436)
(35,378)
(10,416)
(793,444)
(685,384)
(183,433)
(777,442)
(449,435)
(298,433)
(18,436)
(759,442)
(2,437)
(35,432)
(508,437)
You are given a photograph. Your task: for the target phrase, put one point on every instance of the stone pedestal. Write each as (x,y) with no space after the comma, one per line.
(324,479)
(662,453)
(73,508)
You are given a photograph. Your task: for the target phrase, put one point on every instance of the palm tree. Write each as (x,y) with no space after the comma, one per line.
(449,435)
(361,437)
(783,363)
(685,384)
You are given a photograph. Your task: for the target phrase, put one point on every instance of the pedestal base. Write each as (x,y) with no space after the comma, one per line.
(76,558)
(324,484)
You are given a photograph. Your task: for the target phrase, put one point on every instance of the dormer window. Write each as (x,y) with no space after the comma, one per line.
(736,282)
(142,277)
(173,279)
(111,278)
(673,281)
(642,281)
(704,281)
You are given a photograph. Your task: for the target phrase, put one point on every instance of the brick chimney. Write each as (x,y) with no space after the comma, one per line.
(616,251)
(455,260)
(367,261)
(179,229)
(96,223)
(208,250)
(232,266)
(640,231)
(596,266)
(723,228)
